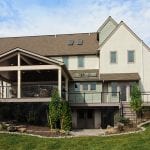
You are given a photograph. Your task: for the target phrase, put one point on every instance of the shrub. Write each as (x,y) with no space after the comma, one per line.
(65,117)
(54,110)
(124,120)
(136,100)
(59,113)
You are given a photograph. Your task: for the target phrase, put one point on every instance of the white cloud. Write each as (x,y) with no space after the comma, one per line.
(18,18)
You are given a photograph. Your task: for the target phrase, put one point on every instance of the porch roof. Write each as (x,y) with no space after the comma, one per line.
(120,77)
(35,55)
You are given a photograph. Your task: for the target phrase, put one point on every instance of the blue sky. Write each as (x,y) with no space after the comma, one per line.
(36,17)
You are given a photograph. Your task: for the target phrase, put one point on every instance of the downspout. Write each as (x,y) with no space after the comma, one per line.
(142,67)
(99,63)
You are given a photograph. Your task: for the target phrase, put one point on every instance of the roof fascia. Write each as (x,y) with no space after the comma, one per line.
(106,21)
(32,54)
(129,29)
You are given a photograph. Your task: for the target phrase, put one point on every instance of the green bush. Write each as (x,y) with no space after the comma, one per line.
(59,113)
(124,120)
(65,116)
(54,110)
(136,100)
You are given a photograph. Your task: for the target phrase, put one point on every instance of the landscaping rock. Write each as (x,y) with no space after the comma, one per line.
(1,127)
(109,127)
(120,126)
(22,130)
(111,130)
(5,125)
(11,128)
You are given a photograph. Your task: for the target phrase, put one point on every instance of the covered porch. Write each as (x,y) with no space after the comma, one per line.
(30,77)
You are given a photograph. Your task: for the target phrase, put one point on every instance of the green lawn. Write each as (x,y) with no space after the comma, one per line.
(137,141)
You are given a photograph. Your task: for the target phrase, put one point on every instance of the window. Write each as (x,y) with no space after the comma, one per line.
(93,86)
(85,86)
(114,88)
(79,42)
(70,42)
(77,86)
(130,56)
(113,57)
(65,60)
(80,61)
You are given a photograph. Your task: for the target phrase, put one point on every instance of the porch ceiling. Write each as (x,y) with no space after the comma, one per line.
(29,61)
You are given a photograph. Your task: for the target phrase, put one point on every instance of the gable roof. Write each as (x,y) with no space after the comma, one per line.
(31,54)
(106,21)
(35,55)
(53,45)
(114,31)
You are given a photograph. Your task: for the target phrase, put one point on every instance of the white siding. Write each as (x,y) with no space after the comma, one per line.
(146,70)
(122,41)
(90,62)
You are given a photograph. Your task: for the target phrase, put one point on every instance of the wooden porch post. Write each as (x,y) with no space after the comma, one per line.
(18,78)
(59,81)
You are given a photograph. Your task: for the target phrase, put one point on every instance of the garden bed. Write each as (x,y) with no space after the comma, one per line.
(31,129)
(45,131)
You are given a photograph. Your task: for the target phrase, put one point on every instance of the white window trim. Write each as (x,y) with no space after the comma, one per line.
(116,58)
(134,57)
(83,62)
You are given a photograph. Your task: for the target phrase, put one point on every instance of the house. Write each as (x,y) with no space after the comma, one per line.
(93,71)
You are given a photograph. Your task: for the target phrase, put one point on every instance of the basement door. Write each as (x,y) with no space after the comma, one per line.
(85,119)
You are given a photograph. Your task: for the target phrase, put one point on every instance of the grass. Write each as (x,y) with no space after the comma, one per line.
(137,141)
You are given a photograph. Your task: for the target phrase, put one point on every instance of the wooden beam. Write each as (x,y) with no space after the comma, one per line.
(8,57)
(42,58)
(18,79)
(9,68)
(39,67)
(31,67)
(26,60)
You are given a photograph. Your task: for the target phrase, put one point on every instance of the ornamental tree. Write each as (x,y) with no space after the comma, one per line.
(136,100)
(59,113)
(54,110)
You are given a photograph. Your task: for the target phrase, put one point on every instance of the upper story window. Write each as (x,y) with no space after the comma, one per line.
(113,57)
(65,60)
(80,61)
(131,56)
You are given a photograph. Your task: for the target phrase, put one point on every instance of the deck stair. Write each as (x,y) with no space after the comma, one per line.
(128,112)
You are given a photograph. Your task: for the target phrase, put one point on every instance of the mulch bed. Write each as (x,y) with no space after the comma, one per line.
(44,131)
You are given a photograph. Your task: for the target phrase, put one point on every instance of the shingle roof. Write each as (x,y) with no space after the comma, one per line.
(120,77)
(85,75)
(51,45)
